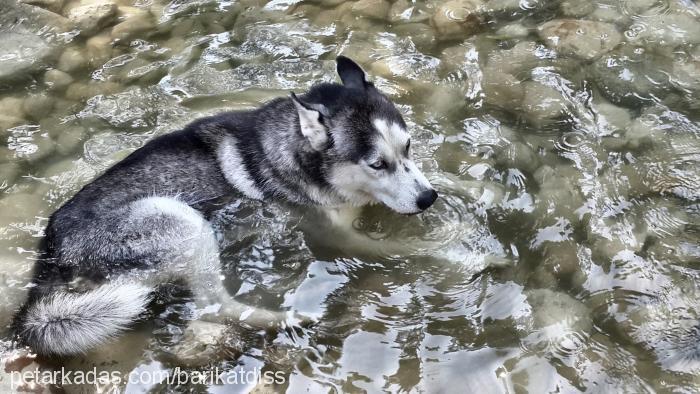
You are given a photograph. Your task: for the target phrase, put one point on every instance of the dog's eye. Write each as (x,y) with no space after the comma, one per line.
(379,164)
(408,146)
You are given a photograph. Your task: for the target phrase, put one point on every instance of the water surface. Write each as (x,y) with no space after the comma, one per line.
(563,137)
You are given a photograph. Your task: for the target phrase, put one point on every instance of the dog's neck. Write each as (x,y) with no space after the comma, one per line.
(272,160)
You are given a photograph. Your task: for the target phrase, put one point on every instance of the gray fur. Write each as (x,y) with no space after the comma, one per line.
(143,222)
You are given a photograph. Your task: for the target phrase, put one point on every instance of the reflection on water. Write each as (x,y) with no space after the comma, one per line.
(563,137)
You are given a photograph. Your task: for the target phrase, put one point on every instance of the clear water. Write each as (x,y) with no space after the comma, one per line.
(563,253)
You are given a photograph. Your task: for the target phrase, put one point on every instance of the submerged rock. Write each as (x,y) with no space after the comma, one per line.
(406,11)
(51,5)
(519,155)
(28,38)
(502,90)
(630,75)
(90,18)
(23,53)
(204,80)
(670,29)
(560,323)
(522,57)
(135,21)
(514,30)
(72,59)
(57,79)
(457,19)
(542,104)
(38,105)
(11,106)
(584,39)
(575,8)
(35,19)
(201,343)
(376,9)
(421,34)
(609,118)
(99,49)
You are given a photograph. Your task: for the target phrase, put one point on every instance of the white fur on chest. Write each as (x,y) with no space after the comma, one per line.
(235,171)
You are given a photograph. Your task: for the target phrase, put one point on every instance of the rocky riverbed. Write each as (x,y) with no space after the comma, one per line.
(563,136)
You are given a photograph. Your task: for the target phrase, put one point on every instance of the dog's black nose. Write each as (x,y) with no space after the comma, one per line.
(426,199)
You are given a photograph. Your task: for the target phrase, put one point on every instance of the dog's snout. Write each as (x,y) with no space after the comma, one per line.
(426,199)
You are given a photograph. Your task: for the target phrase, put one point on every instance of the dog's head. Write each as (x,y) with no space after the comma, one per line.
(365,145)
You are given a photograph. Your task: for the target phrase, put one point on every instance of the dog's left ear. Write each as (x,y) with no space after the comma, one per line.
(351,73)
(311,121)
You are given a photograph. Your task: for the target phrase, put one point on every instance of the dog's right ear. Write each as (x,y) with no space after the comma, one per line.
(311,118)
(351,73)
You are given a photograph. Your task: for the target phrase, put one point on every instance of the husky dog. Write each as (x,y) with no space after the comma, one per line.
(143,224)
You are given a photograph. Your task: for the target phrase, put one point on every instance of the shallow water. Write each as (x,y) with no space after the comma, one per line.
(561,256)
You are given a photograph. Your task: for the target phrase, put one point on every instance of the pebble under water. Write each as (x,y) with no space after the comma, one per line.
(563,254)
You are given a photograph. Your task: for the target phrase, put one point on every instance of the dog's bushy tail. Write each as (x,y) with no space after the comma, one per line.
(65,323)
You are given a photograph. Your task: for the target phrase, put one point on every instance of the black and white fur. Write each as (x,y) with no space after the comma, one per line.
(143,222)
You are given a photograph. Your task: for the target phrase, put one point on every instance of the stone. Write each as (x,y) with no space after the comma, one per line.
(11,106)
(458,19)
(609,14)
(57,80)
(8,122)
(121,356)
(502,90)
(609,118)
(29,144)
(37,106)
(51,5)
(446,99)
(23,53)
(421,34)
(631,75)
(522,57)
(78,91)
(514,30)
(542,104)
(521,156)
(672,29)
(375,9)
(561,261)
(9,172)
(406,11)
(34,19)
(586,40)
(201,343)
(453,58)
(20,207)
(567,314)
(99,49)
(558,196)
(19,362)
(69,140)
(72,59)
(576,8)
(91,18)
(686,76)
(136,21)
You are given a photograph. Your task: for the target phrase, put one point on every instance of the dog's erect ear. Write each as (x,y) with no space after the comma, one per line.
(311,121)
(350,73)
